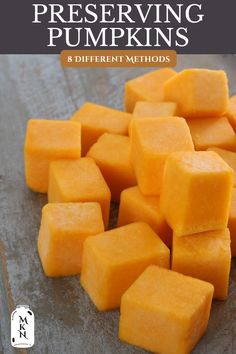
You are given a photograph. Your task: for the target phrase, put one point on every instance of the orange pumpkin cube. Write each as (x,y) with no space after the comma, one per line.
(145,109)
(232,223)
(97,120)
(228,156)
(206,256)
(111,154)
(148,87)
(45,141)
(152,140)
(165,312)
(198,92)
(114,259)
(64,228)
(155,109)
(231,112)
(212,132)
(78,181)
(134,206)
(196,192)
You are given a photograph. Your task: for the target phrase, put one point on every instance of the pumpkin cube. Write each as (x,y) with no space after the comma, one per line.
(114,259)
(212,132)
(152,140)
(228,156)
(165,312)
(231,112)
(45,141)
(145,109)
(196,192)
(198,92)
(97,120)
(205,256)
(78,181)
(232,223)
(64,228)
(155,109)
(148,87)
(111,154)
(134,206)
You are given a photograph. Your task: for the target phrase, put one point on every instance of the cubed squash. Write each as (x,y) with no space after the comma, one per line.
(196,192)
(112,155)
(114,259)
(148,87)
(45,141)
(145,109)
(64,228)
(97,120)
(152,140)
(198,92)
(155,109)
(212,132)
(165,312)
(231,112)
(232,223)
(228,156)
(206,256)
(134,206)
(78,181)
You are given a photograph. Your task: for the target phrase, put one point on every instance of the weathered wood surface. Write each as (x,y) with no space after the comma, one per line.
(66,321)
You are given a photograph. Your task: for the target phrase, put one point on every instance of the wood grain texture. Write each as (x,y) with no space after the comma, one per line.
(66,321)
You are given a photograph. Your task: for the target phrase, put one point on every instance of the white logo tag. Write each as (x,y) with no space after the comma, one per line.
(22,327)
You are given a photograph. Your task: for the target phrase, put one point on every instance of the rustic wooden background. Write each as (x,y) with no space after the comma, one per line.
(66,321)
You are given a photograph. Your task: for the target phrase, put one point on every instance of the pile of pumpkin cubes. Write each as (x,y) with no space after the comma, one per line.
(170,161)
